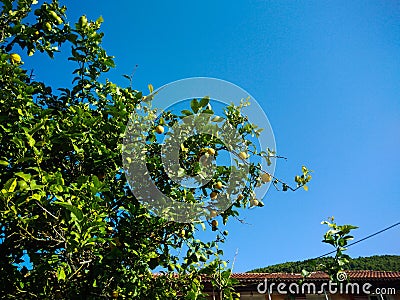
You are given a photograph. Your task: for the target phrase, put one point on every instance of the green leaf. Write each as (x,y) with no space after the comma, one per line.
(23,185)
(96,182)
(24,176)
(204,101)
(4,163)
(31,140)
(151,89)
(100,20)
(82,21)
(181,172)
(60,274)
(76,211)
(10,185)
(349,227)
(304,273)
(194,104)
(36,197)
(217,119)
(208,111)
(186,112)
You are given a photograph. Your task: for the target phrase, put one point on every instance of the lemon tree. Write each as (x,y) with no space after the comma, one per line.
(70,228)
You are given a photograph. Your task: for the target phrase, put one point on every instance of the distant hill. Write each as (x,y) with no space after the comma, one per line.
(375,263)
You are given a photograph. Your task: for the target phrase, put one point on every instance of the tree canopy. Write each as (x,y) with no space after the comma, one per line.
(70,227)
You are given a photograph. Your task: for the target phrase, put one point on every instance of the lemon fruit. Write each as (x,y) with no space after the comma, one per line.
(254,202)
(160,129)
(266,177)
(15,58)
(243,155)
(48,26)
(55,17)
(218,185)
(213,214)
(211,151)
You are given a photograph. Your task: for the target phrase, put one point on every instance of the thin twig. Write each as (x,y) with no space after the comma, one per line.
(46,210)
(265,172)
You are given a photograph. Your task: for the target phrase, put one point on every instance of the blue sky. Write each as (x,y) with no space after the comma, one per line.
(327,74)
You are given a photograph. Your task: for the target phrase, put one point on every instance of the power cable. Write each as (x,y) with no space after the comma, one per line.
(363,239)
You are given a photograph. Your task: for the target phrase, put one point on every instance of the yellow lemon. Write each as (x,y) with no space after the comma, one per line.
(160,129)
(55,17)
(254,202)
(182,233)
(211,151)
(48,26)
(266,177)
(218,185)
(213,214)
(243,155)
(15,58)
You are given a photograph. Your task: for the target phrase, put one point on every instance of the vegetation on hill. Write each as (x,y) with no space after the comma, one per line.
(375,263)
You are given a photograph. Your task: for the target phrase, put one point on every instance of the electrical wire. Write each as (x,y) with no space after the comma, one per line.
(363,239)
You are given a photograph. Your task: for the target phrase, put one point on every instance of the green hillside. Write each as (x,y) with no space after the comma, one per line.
(376,263)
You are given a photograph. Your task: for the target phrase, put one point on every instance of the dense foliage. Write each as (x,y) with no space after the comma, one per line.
(70,228)
(374,263)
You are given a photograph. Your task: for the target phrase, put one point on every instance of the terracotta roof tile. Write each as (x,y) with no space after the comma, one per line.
(353,275)
(370,275)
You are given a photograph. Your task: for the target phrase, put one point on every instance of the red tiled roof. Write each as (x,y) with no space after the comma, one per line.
(354,275)
(374,274)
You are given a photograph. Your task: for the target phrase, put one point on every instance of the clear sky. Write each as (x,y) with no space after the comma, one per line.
(327,73)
